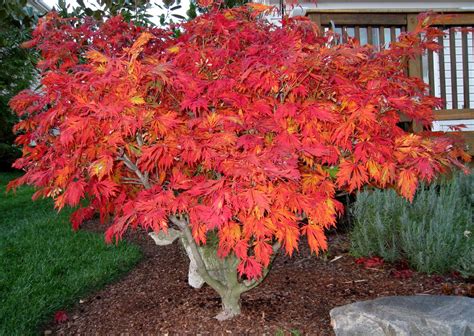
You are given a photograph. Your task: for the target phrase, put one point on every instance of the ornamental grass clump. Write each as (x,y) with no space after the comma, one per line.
(433,233)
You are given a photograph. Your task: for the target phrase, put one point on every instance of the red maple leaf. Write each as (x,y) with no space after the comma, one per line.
(403,274)
(370,262)
(60,316)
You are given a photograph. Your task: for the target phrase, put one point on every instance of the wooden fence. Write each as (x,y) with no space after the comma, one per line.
(450,72)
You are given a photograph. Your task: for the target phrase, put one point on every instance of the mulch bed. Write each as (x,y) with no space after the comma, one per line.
(154,298)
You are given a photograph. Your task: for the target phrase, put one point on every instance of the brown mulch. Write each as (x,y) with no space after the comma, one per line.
(154,298)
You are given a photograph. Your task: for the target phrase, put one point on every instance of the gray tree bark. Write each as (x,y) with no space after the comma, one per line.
(206,267)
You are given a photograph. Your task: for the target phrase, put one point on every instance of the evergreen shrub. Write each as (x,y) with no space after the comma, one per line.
(434,233)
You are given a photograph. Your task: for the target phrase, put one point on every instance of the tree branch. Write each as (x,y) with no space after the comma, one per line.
(202,269)
(139,138)
(133,167)
(298,82)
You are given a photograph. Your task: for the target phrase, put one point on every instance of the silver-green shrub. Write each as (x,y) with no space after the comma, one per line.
(434,234)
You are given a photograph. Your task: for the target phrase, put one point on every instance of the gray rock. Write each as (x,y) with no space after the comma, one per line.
(421,315)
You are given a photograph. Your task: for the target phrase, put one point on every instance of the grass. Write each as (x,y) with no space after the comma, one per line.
(44,265)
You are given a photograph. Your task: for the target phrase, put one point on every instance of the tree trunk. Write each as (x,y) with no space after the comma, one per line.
(207,267)
(230,304)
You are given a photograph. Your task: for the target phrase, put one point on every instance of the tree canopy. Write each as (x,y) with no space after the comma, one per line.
(236,128)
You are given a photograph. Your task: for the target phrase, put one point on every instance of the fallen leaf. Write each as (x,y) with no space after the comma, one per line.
(403,274)
(60,316)
(370,262)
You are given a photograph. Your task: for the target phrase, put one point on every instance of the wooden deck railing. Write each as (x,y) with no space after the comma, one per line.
(450,72)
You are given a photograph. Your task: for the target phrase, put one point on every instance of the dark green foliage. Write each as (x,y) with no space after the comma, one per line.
(16,69)
(44,265)
(434,233)
(194,9)
(16,12)
(169,15)
(131,10)
(16,73)
(234,3)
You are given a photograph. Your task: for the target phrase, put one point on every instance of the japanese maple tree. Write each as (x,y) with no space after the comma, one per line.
(233,137)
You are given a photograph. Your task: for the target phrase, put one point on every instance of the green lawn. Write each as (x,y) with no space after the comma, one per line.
(44,265)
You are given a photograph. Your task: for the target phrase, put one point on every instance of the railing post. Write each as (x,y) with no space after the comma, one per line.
(414,64)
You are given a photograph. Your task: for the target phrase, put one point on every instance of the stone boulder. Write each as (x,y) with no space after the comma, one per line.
(421,315)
